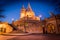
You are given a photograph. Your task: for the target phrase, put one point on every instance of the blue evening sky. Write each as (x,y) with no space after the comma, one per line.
(40,7)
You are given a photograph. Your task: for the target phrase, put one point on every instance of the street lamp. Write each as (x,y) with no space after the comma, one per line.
(12,19)
(40,16)
(42,24)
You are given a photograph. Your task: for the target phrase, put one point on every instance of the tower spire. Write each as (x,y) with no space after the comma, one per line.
(29,7)
(22,6)
(22,12)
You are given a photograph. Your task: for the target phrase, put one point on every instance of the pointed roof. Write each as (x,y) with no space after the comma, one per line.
(23,8)
(29,7)
(51,14)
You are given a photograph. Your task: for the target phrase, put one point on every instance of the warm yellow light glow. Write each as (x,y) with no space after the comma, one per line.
(38,18)
(7,28)
(28,14)
(1,25)
(22,15)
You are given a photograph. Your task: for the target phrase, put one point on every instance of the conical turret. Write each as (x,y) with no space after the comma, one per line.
(29,11)
(22,13)
(29,7)
(23,9)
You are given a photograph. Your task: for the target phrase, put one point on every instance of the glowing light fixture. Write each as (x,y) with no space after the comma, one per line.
(40,16)
(12,19)
(1,25)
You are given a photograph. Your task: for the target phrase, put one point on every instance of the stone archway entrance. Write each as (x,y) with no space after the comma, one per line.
(50,28)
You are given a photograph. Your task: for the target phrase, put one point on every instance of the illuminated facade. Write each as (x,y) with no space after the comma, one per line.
(5,28)
(28,13)
(28,22)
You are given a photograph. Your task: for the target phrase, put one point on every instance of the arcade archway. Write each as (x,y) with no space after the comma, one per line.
(50,28)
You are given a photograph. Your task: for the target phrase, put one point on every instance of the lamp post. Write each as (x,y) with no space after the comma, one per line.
(25,24)
(43,28)
(42,24)
(40,16)
(12,19)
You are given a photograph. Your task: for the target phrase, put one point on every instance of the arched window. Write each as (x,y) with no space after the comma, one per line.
(3,30)
(50,28)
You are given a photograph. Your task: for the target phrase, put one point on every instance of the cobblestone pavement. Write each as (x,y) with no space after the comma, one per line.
(37,37)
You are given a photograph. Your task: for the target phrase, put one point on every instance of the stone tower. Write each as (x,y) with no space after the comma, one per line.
(22,13)
(28,13)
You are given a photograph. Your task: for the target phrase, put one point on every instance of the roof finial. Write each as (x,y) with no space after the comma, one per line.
(29,7)
(22,6)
